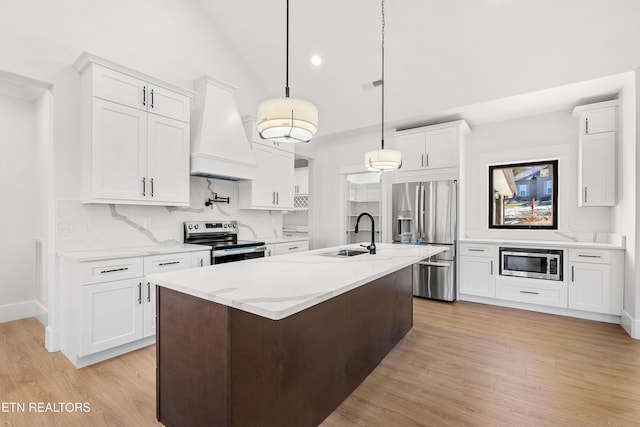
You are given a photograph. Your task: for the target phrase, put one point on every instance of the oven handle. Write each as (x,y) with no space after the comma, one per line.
(238,251)
(434,264)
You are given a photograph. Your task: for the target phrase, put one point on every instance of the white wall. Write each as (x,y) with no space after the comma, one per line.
(20,204)
(542,137)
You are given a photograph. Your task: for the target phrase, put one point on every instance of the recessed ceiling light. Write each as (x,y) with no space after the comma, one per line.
(316,60)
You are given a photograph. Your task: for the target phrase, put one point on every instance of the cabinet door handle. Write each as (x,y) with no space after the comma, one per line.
(201,262)
(168,263)
(140,293)
(530,292)
(586,125)
(273,198)
(589,256)
(585,194)
(572,273)
(293,247)
(144,96)
(427,159)
(151,187)
(492,267)
(151,98)
(112,270)
(422,160)
(148,292)
(144,187)
(475,250)
(277,197)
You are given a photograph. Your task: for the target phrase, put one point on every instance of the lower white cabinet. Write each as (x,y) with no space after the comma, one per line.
(111,315)
(532,291)
(110,307)
(477,270)
(287,248)
(595,281)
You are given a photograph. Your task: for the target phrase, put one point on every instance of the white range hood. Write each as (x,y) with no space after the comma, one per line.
(219,144)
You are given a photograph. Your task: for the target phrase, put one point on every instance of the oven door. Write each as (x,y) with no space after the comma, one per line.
(237,254)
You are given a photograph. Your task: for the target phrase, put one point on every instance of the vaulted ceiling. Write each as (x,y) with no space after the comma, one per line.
(440,54)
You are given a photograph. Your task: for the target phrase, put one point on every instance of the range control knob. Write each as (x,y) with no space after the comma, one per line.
(226,225)
(196,226)
(233,225)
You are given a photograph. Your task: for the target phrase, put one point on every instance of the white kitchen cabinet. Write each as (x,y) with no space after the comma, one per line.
(249,123)
(273,187)
(301,181)
(110,306)
(532,291)
(111,315)
(595,282)
(478,268)
(289,247)
(135,137)
(597,154)
(431,147)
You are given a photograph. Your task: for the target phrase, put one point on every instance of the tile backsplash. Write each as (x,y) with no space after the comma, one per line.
(99,226)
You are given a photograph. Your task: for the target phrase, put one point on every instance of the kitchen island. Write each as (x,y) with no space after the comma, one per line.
(278,341)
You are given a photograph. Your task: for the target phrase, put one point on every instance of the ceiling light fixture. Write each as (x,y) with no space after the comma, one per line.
(383,160)
(316,60)
(287,119)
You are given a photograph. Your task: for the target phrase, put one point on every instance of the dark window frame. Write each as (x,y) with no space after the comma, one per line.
(554,196)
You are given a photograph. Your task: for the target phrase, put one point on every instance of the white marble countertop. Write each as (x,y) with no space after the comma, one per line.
(103,254)
(277,287)
(619,244)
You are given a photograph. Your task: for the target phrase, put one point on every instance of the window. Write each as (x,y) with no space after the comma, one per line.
(524,195)
(522,190)
(548,187)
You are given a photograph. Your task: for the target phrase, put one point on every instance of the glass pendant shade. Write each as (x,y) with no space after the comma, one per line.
(383,160)
(287,120)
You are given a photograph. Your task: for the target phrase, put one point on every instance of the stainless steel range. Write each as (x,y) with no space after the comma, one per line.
(222,236)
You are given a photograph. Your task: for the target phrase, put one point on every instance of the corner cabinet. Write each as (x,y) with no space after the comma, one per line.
(135,132)
(597,153)
(273,188)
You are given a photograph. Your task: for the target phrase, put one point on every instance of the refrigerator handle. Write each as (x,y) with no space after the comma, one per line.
(417,211)
(422,225)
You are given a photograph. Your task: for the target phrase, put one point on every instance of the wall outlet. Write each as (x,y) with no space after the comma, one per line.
(147,224)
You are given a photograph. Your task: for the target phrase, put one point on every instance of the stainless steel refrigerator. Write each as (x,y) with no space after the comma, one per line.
(426,213)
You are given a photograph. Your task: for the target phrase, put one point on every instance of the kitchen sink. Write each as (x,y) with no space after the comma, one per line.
(345,252)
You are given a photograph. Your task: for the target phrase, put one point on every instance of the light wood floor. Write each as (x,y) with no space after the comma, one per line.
(461,364)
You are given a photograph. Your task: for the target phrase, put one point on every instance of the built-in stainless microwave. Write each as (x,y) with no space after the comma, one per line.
(533,263)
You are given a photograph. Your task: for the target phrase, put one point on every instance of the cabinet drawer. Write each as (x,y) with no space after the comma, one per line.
(551,294)
(477,250)
(595,256)
(284,248)
(110,270)
(169,262)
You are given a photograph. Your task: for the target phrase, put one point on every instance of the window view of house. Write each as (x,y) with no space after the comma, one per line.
(523,195)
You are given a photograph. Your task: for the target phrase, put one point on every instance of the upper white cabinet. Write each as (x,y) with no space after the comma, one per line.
(431,147)
(597,154)
(301,181)
(273,188)
(135,136)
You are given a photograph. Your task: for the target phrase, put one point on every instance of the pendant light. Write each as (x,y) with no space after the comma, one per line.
(287,119)
(383,160)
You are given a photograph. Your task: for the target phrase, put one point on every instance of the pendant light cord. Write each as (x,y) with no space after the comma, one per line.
(286,88)
(382,126)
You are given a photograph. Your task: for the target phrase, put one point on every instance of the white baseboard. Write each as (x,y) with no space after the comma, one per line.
(630,325)
(52,340)
(22,310)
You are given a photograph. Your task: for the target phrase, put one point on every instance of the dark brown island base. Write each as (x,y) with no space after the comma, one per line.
(220,366)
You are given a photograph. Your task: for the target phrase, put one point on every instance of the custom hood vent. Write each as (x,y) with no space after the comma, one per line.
(219,145)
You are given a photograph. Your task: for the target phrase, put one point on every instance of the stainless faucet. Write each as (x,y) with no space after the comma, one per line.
(372,246)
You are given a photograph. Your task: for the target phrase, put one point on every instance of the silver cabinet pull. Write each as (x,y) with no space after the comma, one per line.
(572,273)
(491,267)
(530,292)
(585,194)
(169,263)
(144,187)
(140,293)
(277,197)
(589,256)
(151,187)
(148,292)
(201,262)
(273,198)
(422,160)
(427,159)
(144,96)
(293,247)
(151,98)
(475,250)
(586,125)
(112,270)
